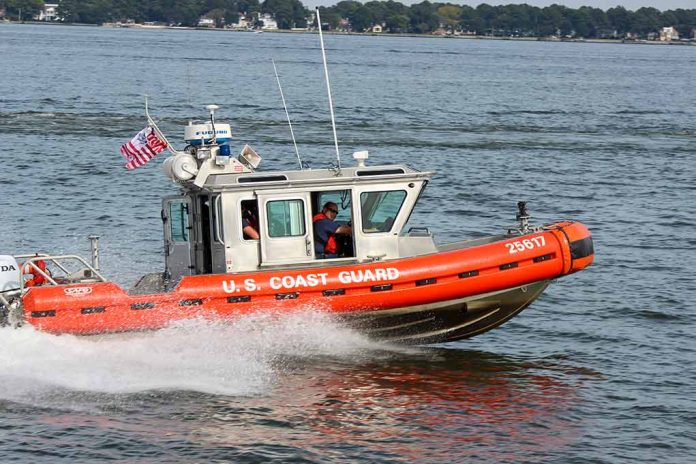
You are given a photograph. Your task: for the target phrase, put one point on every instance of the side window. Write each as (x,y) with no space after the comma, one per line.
(379,209)
(249,218)
(286,218)
(179,221)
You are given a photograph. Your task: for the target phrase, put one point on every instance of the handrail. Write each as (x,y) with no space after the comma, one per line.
(34,257)
(44,256)
(217,210)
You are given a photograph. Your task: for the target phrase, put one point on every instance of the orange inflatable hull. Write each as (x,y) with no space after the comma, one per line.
(398,292)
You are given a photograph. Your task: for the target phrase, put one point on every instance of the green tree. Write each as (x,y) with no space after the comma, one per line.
(123,10)
(683,20)
(346,7)
(470,20)
(287,13)
(486,14)
(551,20)
(598,22)
(86,11)
(185,12)
(449,15)
(645,20)
(396,18)
(28,8)
(619,19)
(423,17)
(329,17)
(580,22)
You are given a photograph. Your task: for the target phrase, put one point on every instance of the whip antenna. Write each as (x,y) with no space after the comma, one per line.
(328,89)
(292,133)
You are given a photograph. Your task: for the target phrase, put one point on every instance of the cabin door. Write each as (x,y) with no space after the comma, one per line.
(177,218)
(286,228)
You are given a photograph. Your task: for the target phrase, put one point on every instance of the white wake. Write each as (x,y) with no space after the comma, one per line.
(244,357)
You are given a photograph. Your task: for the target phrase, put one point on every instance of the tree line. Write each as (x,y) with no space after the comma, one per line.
(520,20)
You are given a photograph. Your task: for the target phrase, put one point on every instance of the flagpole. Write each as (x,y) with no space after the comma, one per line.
(157,130)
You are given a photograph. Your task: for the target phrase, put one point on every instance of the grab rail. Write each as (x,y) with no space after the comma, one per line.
(69,278)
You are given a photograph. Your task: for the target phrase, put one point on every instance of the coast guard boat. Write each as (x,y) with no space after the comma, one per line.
(391,282)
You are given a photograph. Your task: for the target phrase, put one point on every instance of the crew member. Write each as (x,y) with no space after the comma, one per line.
(325,230)
(250,225)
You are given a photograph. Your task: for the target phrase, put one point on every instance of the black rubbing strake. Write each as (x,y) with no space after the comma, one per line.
(49,313)
(93,310)
(381,288)
(287,296)
(138,306)
(334,292)
(539,259)
(464,275)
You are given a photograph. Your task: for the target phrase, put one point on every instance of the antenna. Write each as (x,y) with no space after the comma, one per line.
(212,109)
(328,89)
(188,84)
(292,133)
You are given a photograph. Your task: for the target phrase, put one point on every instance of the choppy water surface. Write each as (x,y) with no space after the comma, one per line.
(600,369)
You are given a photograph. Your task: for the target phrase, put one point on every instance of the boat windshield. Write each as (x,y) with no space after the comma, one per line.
(379,209)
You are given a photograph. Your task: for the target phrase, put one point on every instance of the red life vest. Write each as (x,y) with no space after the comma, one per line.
(330,247)
(37,278)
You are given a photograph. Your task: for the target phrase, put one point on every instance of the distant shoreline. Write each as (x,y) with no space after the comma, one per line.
(433,36)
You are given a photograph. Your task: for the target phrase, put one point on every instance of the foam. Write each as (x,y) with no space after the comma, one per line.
(243,357)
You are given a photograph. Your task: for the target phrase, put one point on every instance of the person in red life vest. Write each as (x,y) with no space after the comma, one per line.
(325,230)
(36,278)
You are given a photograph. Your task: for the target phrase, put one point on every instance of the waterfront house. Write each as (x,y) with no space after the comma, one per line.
(49,12)
(243,23)
(668,33)
(269,22)
(206,22)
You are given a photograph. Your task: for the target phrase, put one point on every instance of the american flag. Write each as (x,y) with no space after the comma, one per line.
(142,148)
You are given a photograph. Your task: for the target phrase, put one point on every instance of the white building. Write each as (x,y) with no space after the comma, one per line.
(206,22)
(668,33)
(242,23)
(48,13)
(269,23)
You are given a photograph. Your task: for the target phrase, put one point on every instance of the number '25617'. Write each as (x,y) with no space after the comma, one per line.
(526,244)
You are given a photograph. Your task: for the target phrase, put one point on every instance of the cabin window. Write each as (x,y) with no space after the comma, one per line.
(342,200)
(249,220)
(286,218)
(379,210)
(179,221)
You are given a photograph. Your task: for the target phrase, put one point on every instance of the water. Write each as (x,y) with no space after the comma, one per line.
(600,369)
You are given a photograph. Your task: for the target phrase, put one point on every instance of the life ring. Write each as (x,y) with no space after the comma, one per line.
(36,278)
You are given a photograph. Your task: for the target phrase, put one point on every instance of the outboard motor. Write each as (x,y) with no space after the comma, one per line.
(10,275)
(10,278)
